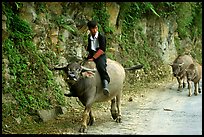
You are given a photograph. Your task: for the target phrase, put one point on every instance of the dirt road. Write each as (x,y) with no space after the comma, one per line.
(160,110)
(163,111)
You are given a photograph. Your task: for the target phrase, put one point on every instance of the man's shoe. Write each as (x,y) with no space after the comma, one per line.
(105,88)
(106,91)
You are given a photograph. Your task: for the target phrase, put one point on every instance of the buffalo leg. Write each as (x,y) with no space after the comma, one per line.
(199,89)
(91,118)
(113,108)
(179,82)
(84,119)
(184,83)
(189,89)
(196,88)
(118,107)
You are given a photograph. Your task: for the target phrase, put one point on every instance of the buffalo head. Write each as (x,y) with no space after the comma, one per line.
(177,68)
(75,71)
(191,72)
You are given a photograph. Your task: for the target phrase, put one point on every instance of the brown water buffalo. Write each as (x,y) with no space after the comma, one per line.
(179,66)
(194,74)
(85,83)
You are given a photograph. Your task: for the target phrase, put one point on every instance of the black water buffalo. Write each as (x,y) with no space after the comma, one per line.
(194,74)
(179,66)
(85,83)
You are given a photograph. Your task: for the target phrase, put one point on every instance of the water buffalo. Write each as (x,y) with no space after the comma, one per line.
(194,73)
(179,66)
(85,83)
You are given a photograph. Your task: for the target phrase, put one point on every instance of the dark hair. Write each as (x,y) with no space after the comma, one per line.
(92,24)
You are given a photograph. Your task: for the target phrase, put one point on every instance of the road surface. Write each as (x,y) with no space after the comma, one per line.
(160,111)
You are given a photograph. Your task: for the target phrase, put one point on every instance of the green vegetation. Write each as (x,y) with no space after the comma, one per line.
(130,12)
(41,6)
(102,17)
(31,83)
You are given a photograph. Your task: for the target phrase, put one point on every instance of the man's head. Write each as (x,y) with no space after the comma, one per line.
(93,27)
(92,24)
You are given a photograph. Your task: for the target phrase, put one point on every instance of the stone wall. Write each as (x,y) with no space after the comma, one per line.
(61,28)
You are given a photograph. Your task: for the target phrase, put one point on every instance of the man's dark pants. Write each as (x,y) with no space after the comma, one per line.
(101,67)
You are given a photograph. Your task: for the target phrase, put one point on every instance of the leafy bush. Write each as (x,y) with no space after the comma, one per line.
(31,83)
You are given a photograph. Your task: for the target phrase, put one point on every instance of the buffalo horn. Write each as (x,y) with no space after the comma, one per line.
(61,66)
(181,64)
(88,69)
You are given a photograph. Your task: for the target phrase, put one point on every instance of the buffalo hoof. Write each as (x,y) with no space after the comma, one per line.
(83,129)
(179,89)
(195,93)
(118,120)
(199,90)
(106,92)
(114,114)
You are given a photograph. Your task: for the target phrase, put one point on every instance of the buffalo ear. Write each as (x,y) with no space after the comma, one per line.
(192,65)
